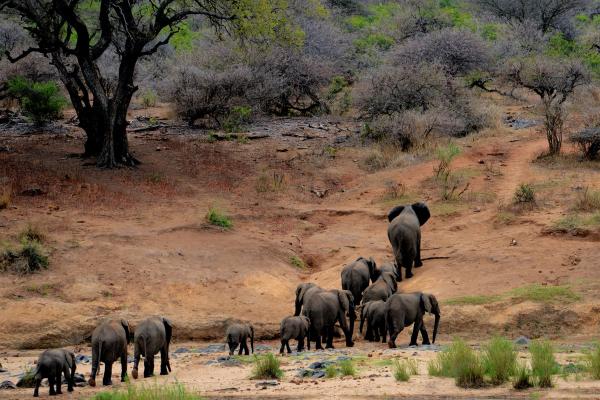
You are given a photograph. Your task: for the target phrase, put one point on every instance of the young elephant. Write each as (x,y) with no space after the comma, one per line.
(294,328)
(356,276)
(109,343)
(324,309)
(402,310)
(152,335)
(373,313)
(382,289)
(52,364)
(239,334)
(404,233)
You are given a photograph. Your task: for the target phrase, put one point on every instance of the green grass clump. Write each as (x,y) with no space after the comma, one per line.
(216,217)
(592,362)
(545,294)
(32,234)
(588,200)
(499,359)
(543,363)
(347,368)
(27,259)
(474,300)
(331,371)
(297,262)
(267,367)
(460,362)
(402,370)
(156,392)
(28,378)
(525,193)
(522,377)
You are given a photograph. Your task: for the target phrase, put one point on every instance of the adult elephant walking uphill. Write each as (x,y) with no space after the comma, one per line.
(152,335)
(402,310)
(404,233)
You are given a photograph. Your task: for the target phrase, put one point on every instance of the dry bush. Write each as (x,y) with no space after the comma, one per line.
(588,200)
(384,156)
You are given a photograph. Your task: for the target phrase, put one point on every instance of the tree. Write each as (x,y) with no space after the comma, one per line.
(547,14)
(553,80)
(76,34)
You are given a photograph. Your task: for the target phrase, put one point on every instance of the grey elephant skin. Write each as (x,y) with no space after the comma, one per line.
(402,310)
(356,276)
(303,292)
(373,313)
(109,343)
(238,334)
(52,364)
(404,233)
(324,309)
(153,335)
(293,328)
(382,289)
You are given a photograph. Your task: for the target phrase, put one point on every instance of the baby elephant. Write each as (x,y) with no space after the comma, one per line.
(294,328)
(151,336)
(52,364)
(238,334)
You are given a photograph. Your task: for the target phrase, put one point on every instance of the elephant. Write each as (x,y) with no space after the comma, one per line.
(238,334)
(152,335)
(402,310)
(373,313)
(382,289)
(294,328)
(356,276)
(404,233)
(390,267)
(109,342)
(303,293)
(324,309)
(52,364)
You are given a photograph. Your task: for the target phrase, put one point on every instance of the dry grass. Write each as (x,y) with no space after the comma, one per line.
(381,157)
(588,200)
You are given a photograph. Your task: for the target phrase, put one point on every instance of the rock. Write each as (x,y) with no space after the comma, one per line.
(211,348)
(481,162)
(82,359)
(7,385)
(513,242)
(318,374)
(182,350)
(320,364)
(522,340)
(262,347)
(265,384)
(34,191)
(2,370)
(302,373)
(79,380)
(282,149)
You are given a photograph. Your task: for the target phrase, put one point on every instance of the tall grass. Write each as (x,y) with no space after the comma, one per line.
(402,370)
(347,368)
(267,367)
(27,259)
(331,371)
(592,362)
(522,377)
(460,362)
(499,359)
(543,363)
(156,392)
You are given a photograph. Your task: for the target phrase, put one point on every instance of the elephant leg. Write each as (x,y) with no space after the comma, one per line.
(300,344)
(369,333)
(424,334)
(375,333)
(418,262)
(287,344)
(282,346)
(329,341)
(164,359)
(52,384)
(148,366)
(67,374)
(415,333)
(124,367)
(246,350)
(59,382)
(318,342)
(136,361)
(383,333)
(107,377)
(36,391)
(408,263)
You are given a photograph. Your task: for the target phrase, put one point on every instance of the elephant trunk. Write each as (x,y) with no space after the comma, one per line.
(435,326)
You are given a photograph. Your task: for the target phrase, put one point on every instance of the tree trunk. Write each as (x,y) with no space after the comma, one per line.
(553,126)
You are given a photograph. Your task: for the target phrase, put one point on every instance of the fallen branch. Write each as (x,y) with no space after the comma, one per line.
(435,258)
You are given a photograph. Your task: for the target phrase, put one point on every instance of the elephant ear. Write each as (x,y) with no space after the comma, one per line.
(390,280)
(125,326)
(372,265)
(395,212)
(344,299)
(168,328)
(422,212)
(426,303)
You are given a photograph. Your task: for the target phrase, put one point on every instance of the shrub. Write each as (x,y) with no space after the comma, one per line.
(588,141)
(592,362)
(522,377)
(543,364)
(331,371)
(588,200)
(28,378)
(29,258)
(237,117)
(460,362)
(525,193)
(297,262)
(402,370)
(347,368)
(41,101)
(216,217)
(167,392)
(270,183)
(499,359)
(445,155)
(149,98)
(267,367)
(31,233)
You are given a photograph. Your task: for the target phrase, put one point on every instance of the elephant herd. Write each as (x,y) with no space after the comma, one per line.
(366,288)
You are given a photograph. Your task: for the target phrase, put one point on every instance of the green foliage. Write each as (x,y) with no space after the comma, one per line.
(297,262)
(403,369)
(216,217)
(522,377)
(267,367)
(458,18)
(445,155)
(347,368)
(499,359)
(41,101)
(331,371)
(543,363)
(183,40)
(562,47)
(156,392)
(592,362)
(525,193)
(338,83)
(588,200)
(490,31)
(28,258)
(473,300)
(237,117)
(377,41)
(545,294)
(460,362)
(28,378)
(149,98)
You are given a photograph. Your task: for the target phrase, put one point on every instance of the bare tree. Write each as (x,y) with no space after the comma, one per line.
(553,81)
(546,14)
(75,36)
